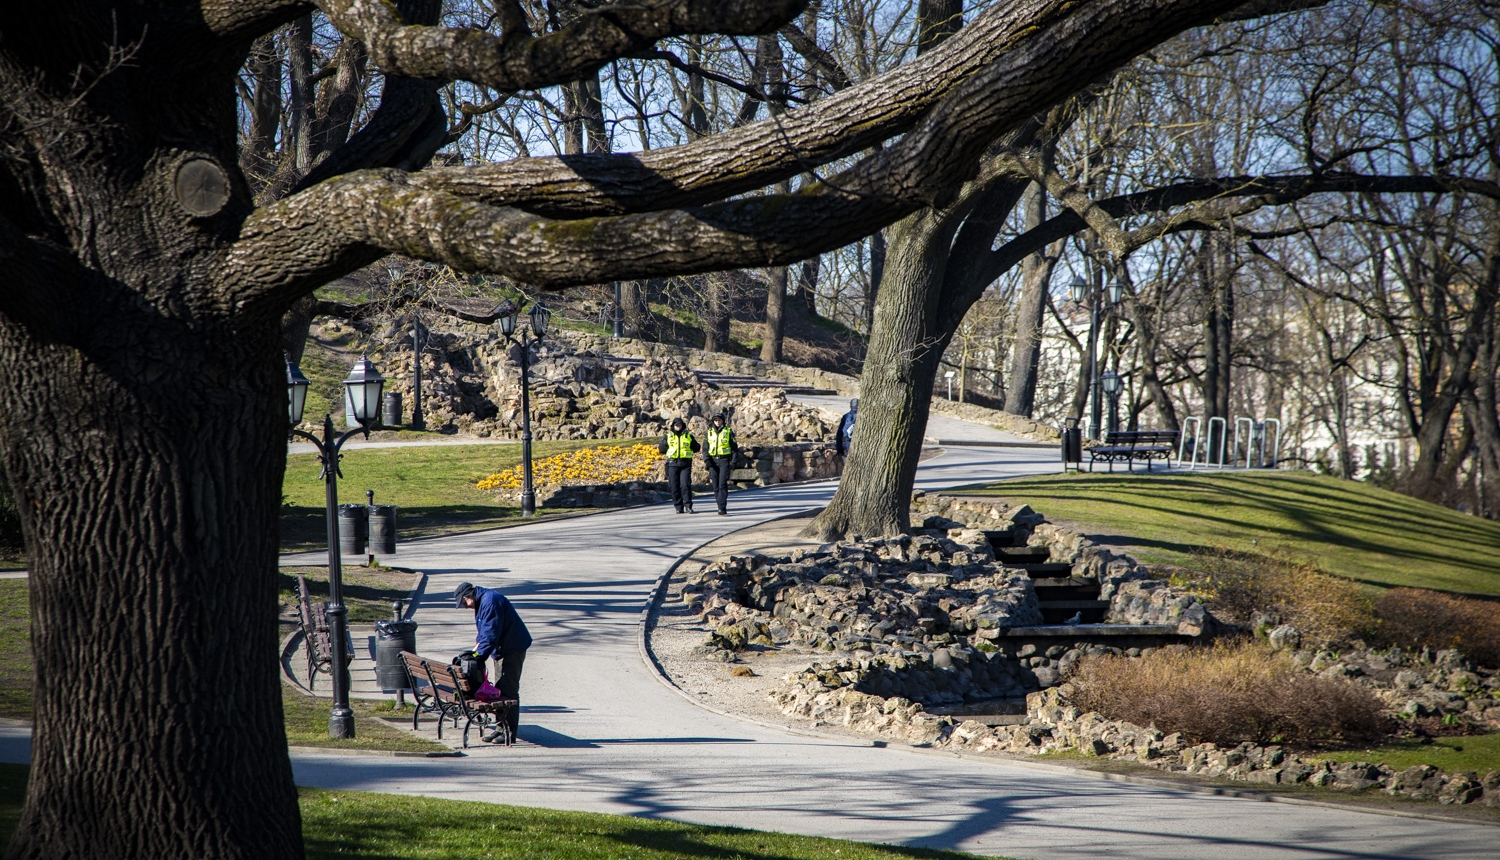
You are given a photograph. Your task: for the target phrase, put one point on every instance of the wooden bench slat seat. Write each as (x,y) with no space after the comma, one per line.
(440,689)
(317,634)
(1128,446)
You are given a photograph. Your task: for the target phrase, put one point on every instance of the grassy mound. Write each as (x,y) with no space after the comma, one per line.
(1345,528)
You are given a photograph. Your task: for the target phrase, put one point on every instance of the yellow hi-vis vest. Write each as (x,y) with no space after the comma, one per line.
(718,442)
(679,446)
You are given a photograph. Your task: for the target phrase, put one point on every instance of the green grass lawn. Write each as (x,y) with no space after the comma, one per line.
(307,725)
(432,486)
(1348,528)
(1480,753)
(355,825)
(15,649)
(368,593)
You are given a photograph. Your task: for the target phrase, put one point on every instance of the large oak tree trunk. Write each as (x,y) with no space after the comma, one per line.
(150,505)
(895,388)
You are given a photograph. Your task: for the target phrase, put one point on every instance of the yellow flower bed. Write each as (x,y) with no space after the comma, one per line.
(606,464)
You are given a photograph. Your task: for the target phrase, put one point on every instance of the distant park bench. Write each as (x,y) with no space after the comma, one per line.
(317,635)
(1128,446)
(442,690)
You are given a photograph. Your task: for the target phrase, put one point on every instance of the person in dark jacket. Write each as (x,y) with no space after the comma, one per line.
(500,634)
(845,435)
(680,446)
(720,456)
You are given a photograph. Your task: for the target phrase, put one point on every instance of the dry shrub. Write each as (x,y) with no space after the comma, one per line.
(1226,694)
(1326,609)
(1418,618)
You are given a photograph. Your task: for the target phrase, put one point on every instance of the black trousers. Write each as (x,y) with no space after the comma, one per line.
(680,479)
(508,682)
(718,475)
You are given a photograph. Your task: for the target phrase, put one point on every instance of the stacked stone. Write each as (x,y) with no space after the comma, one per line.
(1053,724)
(453,382)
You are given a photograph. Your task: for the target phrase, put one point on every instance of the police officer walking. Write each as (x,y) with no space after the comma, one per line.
(720,457)
(680,446)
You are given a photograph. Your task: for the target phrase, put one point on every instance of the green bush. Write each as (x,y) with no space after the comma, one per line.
(1418,618)
(1226,694)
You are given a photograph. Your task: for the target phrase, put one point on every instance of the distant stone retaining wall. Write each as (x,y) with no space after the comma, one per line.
(779,464)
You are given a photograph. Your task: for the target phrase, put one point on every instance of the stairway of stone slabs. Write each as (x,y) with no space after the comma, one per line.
(1074,615)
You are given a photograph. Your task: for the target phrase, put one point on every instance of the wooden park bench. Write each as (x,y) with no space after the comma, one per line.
(317,635)
(440,689)
(1128,446)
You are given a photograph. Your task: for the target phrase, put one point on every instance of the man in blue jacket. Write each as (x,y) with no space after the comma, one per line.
(499,633)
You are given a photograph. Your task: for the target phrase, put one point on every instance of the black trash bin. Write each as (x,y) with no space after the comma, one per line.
(391,409)
(391,638)
(354,529)
(383,529)
(1072,446)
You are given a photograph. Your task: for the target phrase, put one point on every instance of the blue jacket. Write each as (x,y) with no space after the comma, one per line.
(500,629)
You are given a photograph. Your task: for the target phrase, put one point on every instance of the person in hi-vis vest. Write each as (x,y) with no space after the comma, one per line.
(680,446)
(720,457)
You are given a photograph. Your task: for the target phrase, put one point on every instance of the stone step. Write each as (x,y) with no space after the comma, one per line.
(1073,604)
(1042,570)
(1075,630)
(1001,539)
(1064,582)
(1022,555)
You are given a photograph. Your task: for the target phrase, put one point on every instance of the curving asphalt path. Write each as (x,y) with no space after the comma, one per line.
(602,733)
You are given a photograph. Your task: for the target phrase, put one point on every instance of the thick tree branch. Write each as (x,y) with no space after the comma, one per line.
(235,20)
(1274,190)
(755,155)
(310,237)
(826,64)
(506,62)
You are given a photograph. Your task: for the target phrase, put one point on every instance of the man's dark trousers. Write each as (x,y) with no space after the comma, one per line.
(508,682)
(718,476)
(680,478)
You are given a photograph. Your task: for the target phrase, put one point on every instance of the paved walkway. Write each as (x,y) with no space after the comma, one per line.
(603,733)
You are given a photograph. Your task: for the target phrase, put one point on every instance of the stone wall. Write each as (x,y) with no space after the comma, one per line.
(471,383)
(769,465)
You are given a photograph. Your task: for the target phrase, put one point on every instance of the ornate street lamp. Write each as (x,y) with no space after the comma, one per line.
(540,317)
(1113,385)
(362,391)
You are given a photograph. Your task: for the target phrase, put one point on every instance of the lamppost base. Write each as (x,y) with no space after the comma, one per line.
(341,725)
(528,504)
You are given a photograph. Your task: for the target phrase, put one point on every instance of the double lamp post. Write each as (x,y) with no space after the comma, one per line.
(540,317)
(362,403)
(362,393)
(1109,381)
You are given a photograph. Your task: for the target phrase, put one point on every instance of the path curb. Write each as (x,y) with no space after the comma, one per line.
(659,591)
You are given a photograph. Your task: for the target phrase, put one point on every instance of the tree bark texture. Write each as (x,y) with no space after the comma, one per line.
(1026,355)
(144,428)
(895,388)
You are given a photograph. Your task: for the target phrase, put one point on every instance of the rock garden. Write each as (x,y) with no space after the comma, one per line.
(987,630)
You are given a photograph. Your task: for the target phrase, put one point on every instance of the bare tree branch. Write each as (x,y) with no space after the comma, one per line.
(311,236)
(233,20)
(512,62)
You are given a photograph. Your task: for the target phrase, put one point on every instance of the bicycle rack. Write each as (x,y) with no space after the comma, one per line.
(1249,425)
(1197,424)
(1275,447)
(1223,438)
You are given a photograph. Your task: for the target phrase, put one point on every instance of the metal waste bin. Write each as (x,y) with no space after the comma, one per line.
(354,529)
(391,638)
(383,529)
(390,413)
(1071,446)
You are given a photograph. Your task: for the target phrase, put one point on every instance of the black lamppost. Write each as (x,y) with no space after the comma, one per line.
(1078,291)
(540,316)
(362,398)
(1113,384)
